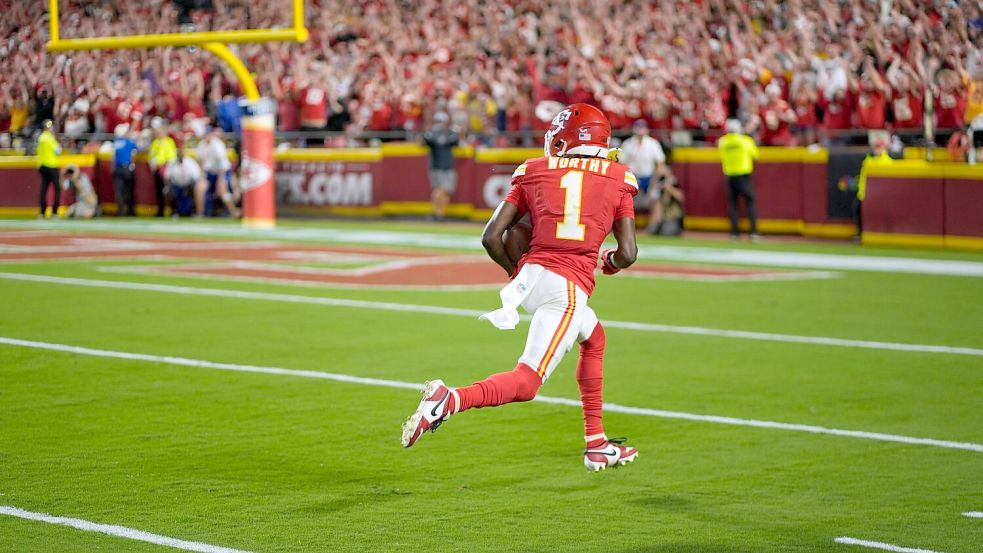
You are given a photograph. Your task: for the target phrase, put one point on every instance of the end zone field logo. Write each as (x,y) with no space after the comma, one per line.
(316,265)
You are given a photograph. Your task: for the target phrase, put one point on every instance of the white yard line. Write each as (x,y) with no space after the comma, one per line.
(180,270)
(609,407)
(823,261)
(750,277)
(118,531)
(882,546)
(973,514)
(437,310)
(750,256)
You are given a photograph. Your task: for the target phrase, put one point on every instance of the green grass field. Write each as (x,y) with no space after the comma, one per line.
(282,462)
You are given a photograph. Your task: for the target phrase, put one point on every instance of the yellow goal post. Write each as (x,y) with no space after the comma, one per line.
(257,166)
(213,41)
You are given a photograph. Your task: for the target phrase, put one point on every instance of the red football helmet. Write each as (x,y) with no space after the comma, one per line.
(579,129)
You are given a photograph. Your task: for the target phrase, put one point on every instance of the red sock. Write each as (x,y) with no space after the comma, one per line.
(519,384)
(590,379)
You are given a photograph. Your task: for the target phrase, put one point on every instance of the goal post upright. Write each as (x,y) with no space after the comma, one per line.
(256,165)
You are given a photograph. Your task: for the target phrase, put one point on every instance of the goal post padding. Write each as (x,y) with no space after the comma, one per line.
(256,165)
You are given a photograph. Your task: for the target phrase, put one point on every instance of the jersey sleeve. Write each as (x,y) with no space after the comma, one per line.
(516,195)
(520,171)
(626,207)
(626,204)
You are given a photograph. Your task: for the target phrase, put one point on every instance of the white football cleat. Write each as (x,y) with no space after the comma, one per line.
(434,409)
(609,454)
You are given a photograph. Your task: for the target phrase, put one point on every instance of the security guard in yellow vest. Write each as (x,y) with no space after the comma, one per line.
(878,157)
(47,153)
(163,150)
(737,154)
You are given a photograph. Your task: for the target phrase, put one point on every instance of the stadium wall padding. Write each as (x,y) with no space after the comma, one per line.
(20,183)
(790,189)
(918,203)
(911,202)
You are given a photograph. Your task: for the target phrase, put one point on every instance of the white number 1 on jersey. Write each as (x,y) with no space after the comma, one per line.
(571,228)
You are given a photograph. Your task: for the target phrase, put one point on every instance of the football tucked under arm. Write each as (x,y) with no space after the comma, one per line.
(495,235)
(517,241)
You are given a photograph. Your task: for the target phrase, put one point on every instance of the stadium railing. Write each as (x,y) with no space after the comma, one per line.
(494,138)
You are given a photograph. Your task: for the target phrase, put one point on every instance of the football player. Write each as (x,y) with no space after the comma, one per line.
(575,196)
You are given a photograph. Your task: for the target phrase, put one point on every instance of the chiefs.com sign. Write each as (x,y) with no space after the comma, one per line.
(325,184)
(392,180)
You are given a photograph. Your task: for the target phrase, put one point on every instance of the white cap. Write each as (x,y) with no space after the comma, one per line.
(121,130)
(734,125)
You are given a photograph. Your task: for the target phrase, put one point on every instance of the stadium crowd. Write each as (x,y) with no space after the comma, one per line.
(794,71)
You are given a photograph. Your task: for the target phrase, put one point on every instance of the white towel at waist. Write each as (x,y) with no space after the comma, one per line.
(513,295)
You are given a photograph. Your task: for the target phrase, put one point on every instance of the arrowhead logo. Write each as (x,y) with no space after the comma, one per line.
(253,173)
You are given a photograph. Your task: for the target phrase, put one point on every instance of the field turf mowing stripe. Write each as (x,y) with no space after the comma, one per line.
(609,407)
(438,310)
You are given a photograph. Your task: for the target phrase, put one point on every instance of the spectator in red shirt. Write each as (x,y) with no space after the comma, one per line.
(288,108)
(805,104)
(409,116)
(836,113)
(134,110)
(907,102)
(313,108)
(195,106)
(107,108)
(687,114)
(950,100)
(381,110)
(870,98)
(776,120)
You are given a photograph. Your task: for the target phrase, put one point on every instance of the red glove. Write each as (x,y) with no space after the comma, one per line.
(608,257)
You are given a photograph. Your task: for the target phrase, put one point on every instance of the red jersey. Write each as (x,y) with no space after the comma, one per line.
(313,107)
(287,114)
(573,203)
(381,118)
(109,115)
(909,109)
(951,105)
(805,114)
(775,131)
(836,113)
(871,108)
